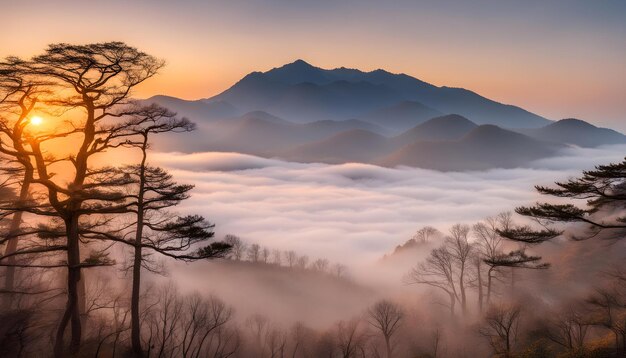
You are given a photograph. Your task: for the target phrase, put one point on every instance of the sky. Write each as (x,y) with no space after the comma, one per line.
(557,58)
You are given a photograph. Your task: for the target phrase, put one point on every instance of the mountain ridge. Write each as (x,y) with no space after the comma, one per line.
(263,89)
(577,132)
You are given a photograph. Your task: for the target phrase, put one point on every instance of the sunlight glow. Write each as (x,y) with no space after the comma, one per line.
(36,120)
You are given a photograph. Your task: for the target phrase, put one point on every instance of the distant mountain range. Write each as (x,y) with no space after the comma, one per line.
(303,113)
(575,131)
(472,147)
(301,92)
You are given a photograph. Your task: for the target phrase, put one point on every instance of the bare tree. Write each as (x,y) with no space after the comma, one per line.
(489,242)
(460,249)
(291,258)
(320,265)
(608,310)
(258,326)
(201,319)
(97,79)
(18,99)
(339,270)
(568,328)
(189,326)
(437,271)
(277,257)
(386,316)
(299,333)
(276,342)
(477,262)
(254,252)
(351,338)
(238,247)
(425,234)
(501,326)
(302,262)
(437,336)
(265,255)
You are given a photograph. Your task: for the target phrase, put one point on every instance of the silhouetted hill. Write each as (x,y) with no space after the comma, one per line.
(328,127)
(301,92)
(450,142)
(301,112)
(401,116)
(198,111)
(299,290)
(578,132)
(257,133)
(449,127)
(485,147)
(356,145)
(254,115)
(300,71)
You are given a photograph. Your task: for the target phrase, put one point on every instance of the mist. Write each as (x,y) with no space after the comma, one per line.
(500,234)
(356,214)
(364,210)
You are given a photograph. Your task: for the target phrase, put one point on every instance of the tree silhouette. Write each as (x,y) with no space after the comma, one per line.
(156,229)
(490,243)
(438,270)
(18,99)
(87,95)
(461,250)
(604,190)
(386,316)
(501,326)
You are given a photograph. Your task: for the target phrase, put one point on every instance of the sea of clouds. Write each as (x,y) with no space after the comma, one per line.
(353,212)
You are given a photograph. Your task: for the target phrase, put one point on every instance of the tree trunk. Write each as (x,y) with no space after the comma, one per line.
(14,228)
(452,303)
(508,345)
(72,311)
(480,286)
(135,323)
(489,283)
(388,345)
(462,288)
(81,291)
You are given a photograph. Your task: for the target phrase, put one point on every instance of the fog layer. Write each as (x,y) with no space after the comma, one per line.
(354,213)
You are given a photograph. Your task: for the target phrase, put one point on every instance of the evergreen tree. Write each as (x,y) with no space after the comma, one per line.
(603,189)
(157,229)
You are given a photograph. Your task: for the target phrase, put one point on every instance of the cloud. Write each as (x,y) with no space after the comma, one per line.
(214,161)
(354,213)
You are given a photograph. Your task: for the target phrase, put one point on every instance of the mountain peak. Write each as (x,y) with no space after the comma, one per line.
(299,62)
(273,90)
(448,127)
(447,122)
(577,132)
(572,122)
(298,72)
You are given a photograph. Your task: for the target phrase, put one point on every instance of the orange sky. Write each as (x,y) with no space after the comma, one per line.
(564,59)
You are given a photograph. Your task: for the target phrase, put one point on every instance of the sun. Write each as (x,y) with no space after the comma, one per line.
(36,120)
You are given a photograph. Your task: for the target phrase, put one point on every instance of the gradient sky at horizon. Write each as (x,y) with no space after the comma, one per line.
(557,58)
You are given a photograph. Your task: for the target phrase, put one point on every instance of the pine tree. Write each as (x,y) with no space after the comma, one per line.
(158,230)
(603,189)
